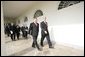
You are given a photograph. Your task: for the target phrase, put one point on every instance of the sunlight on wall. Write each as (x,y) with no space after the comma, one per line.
(71,34)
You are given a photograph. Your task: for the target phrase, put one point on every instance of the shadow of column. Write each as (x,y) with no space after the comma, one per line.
(20,53)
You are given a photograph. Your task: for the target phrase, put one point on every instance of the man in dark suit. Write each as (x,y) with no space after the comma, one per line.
(13,31)
(33,30)
(18,31)
(45,33)
(25,31)
(7,29)
(22,29)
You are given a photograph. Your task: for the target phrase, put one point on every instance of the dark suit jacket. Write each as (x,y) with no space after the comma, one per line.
(17,29)
(33,29)
(25,28)
(13,29)
(22,28)
(44,27)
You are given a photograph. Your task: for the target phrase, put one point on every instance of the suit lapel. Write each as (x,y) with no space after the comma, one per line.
(35,24)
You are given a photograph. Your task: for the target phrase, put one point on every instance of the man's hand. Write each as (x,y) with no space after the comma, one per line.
(11,32)
(45,32)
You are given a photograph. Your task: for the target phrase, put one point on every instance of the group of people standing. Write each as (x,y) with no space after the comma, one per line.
(12,30)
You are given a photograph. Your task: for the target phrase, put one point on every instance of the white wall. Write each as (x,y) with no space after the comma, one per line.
(70,25)
(3,47)
(65,25)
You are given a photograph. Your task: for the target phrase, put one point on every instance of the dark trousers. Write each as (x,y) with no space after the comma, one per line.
(48,39)
(35,42)
(8,33)
(22,33)
(25,34)
(18,34)
(13,36)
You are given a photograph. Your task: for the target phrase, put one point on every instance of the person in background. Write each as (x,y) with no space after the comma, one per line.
(25,31)
(7,29)
(22,29)
(13,31)
(18,31)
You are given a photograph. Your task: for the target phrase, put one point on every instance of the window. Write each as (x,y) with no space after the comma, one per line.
(38,13)
(18,21)
(26,19)
(64,4)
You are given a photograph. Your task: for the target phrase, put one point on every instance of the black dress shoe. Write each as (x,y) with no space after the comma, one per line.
(33,46)
(42,45)
(14,40)
(51,47)
(40,49)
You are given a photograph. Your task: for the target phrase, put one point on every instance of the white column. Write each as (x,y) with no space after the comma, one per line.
(3,47)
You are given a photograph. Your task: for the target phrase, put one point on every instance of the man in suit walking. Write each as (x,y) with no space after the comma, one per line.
(45,33)
(33,30)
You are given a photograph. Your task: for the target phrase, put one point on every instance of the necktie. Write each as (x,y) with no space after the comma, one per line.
(36,24)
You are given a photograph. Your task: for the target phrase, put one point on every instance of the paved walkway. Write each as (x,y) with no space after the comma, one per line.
(23,47)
